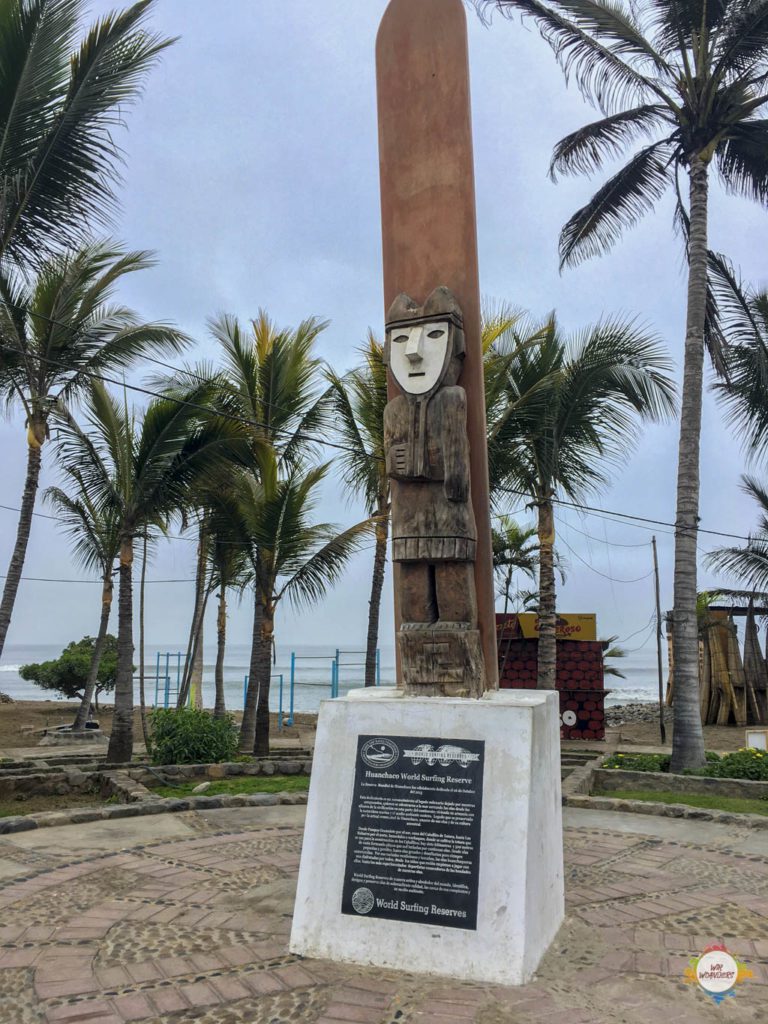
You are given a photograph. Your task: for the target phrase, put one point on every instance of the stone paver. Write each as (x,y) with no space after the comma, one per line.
(188,920)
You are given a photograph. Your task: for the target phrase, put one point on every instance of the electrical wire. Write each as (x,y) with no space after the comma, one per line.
(605,576)
(592,510)
(146,358)
(207,409)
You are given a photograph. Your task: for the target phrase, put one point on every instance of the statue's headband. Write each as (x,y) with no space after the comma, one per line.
(452,315)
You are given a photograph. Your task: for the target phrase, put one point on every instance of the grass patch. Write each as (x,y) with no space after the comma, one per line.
(711,802)
(33,804)
(240,784)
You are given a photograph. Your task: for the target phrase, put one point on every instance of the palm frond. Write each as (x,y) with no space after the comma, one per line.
(324,566)
(749,564)
(584,151)
(58,158)
(620,203)
(601,74)
(743,157)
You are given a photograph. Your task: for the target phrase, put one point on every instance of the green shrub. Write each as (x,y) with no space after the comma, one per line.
(639,762)
(191,736)
(747,763)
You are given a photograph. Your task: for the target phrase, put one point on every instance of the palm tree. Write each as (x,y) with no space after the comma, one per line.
(142,472)
(94,534)
(689,82)
(228,567)
(744,389)
(571,409)
(54,336)
(358,401)
(749,563)
(63,96)
(269,380)
(513,550)
(290,557)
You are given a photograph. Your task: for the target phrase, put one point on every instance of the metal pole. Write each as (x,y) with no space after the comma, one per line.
(245,689)
(378,667)
(293,684)
(280,705)
(662,730)
(167,677)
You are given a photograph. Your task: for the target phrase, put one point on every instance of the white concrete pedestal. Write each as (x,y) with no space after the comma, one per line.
(520,885)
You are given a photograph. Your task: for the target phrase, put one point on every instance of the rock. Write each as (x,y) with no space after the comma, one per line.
(202,787)
(5,699)
(624,714)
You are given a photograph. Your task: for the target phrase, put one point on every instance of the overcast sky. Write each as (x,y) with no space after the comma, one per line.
(252,171)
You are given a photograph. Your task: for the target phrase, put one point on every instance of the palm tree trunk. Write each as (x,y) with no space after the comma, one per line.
(687,736)
(220,707)
(261,742)
(377,584)
(191,664)
(93,673)
(248,725)
(13,578)
(142,695)
(121,739)
(196,675)
(547,660)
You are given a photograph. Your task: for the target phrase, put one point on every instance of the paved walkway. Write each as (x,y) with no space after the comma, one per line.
(186,918)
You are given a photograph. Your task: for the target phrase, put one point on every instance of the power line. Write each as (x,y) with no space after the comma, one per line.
(45,579)
(604,540)
(207,409)
(591,510)
(613,579)
(145,357)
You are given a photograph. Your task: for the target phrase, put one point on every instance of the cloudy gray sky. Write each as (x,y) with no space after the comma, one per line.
(252,172)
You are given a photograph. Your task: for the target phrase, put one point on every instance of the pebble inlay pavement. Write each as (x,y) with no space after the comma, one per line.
(195,928)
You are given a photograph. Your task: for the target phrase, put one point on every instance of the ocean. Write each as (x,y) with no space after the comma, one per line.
(312,674)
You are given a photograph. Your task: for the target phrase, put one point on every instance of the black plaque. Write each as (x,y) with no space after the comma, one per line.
(413,849)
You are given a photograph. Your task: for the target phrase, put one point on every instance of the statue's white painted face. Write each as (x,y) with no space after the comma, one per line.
(417,355)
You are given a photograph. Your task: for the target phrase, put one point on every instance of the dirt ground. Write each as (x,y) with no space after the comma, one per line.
(720,738)
(22,723)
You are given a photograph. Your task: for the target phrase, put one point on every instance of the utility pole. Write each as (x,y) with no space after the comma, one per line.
(662,729)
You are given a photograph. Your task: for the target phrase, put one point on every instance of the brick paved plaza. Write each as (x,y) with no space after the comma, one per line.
(186,918)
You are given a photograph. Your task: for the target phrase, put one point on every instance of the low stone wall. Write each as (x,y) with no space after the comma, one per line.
(20,785)
(49,819)
(176,773)
(132,783)
(608,780)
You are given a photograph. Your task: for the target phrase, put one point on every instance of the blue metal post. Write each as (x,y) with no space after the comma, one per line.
(280,705)
(378,667)
(293,684)
(245,689)
(167,677)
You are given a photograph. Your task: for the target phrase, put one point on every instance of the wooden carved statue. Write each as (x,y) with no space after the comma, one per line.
(433,525)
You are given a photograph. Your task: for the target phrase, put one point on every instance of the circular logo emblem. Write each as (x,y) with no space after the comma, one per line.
(569,718)
(717,971)
(362,900)
(380,753)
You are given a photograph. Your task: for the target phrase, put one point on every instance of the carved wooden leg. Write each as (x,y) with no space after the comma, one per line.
(456,601)
(417,594)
